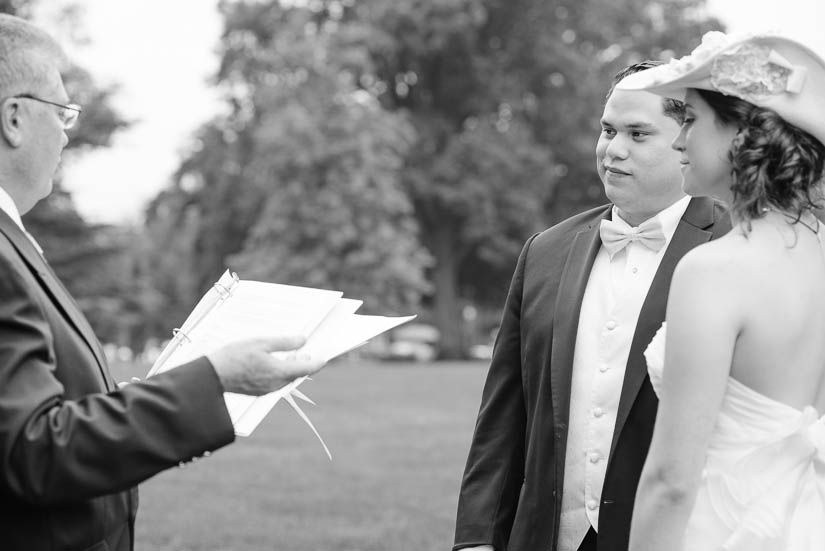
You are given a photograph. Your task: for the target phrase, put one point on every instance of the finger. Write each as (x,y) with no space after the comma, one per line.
(283,342)
(303,365)
(313,365)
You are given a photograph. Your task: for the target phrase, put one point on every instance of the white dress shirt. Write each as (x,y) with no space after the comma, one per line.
(7,205)
(616,290)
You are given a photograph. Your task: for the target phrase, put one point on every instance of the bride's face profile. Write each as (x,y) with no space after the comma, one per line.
(704,142)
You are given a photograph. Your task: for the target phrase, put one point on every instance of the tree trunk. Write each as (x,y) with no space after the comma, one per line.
(446,309)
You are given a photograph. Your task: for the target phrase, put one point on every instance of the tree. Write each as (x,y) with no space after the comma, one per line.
(74,247)
(299,183)
(564,54)
(476,174)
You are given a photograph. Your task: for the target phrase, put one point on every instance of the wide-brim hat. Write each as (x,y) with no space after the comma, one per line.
(768,70)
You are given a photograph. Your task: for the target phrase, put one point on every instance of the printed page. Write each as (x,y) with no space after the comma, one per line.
(236,309)
(255,309)
(260,407)
(341,332)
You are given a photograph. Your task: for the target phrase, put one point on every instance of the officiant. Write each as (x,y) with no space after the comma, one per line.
(73,445)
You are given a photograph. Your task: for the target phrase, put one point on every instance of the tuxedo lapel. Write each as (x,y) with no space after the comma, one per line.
(55,289)
(571,289)
(693,229)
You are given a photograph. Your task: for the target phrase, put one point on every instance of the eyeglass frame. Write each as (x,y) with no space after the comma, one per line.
(67,122)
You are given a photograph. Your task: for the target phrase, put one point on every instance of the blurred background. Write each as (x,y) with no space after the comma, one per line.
(400,152)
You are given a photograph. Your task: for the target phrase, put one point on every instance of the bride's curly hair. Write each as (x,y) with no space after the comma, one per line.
(775,165)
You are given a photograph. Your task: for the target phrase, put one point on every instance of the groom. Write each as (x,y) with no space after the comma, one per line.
(567,411)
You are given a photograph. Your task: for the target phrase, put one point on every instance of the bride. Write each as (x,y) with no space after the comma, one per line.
(737,459)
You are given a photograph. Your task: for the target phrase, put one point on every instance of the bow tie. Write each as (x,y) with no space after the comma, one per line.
(615,235)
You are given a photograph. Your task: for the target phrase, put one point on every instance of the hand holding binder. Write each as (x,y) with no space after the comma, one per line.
(236,310)
(251,367)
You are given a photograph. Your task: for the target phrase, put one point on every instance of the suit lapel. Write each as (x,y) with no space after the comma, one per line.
(54,288)
(693,229)
(571,289)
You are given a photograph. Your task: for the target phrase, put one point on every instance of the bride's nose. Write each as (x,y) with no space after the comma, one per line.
(678,142)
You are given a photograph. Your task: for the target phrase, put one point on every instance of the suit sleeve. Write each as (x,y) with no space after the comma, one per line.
(494,472)
(54,450)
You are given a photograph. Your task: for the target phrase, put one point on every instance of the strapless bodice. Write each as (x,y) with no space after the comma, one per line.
(763,486)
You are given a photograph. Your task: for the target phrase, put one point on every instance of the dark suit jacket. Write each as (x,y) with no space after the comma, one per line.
(72,445)
(511,491)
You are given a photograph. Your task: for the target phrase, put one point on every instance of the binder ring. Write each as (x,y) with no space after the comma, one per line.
(180,334)
(222,291)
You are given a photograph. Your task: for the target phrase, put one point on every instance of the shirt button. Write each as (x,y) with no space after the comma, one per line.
(634,270)
(603,368)
(598,412)
(611,325)
(592,504)
(594,457)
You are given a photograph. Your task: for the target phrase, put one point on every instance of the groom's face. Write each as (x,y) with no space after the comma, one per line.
(640,171)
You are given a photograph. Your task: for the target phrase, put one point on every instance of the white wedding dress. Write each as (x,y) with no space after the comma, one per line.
(763,485)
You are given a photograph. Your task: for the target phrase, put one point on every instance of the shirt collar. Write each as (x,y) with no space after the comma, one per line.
(668,218)
(7,205)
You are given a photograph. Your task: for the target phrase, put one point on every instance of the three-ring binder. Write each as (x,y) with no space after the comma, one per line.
(228,311)
(178,333)
(224,292)
(223,289)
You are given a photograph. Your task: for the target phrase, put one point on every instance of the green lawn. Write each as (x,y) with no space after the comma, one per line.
(399,436)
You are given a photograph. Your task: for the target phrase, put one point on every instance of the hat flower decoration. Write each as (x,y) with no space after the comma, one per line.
(738,67)
(712,43)
(768,70)
(752,71)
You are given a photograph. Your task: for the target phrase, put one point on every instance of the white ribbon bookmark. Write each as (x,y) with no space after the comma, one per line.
(292,390)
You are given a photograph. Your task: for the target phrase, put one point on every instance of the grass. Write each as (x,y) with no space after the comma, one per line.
(399,436)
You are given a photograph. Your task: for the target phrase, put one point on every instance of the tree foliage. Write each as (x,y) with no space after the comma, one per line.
(299,183)
(85,256)
(565,53)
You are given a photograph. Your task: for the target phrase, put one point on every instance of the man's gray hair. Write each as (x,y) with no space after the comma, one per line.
(27,55)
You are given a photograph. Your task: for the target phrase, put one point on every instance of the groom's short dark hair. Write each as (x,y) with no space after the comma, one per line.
(672,108)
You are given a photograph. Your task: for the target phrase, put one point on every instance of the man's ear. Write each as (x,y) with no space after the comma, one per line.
(11,122)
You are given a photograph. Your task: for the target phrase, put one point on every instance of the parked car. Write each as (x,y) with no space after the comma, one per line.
(480,352)
(416,342)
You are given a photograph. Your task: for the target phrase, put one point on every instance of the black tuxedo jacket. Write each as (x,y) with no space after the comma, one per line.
(72,445)
(511,491)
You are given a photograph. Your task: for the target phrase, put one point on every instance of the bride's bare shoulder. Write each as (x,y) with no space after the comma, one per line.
(728,258)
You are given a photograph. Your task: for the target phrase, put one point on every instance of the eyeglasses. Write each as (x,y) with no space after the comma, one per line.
(68,113)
